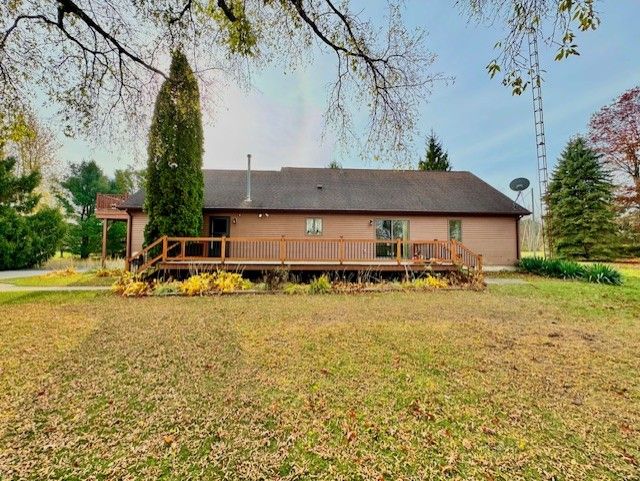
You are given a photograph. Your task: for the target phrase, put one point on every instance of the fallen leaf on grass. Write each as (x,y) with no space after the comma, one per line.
(419,412)
(629,458)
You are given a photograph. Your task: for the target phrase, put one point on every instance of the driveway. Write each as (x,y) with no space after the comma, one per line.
(28,273)
(22,273)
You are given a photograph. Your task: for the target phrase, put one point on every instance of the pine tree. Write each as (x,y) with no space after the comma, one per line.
(29,235)
(581,216)
(174,181)
(436,158)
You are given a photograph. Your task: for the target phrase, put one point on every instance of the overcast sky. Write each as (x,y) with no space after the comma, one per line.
(485,129)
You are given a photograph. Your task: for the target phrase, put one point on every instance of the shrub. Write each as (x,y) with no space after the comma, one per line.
(276,278)
(121,283)
(197,285)
(292,288)
(603,274)
(220,281)
(223,281)
(534,265)
(28,240)
(320,285)
(136,289)
(428,282)
(563,269)
(166,288)
(552,267)
(102,272)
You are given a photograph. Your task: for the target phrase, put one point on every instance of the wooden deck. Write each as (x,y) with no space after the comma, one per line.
(302,254)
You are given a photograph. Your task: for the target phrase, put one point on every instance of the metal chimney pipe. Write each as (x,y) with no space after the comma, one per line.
(248,178)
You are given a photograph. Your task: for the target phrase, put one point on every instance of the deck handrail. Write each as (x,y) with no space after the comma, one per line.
(143,256)
(288,250)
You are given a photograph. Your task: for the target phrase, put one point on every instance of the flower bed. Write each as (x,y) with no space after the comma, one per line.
(222,282)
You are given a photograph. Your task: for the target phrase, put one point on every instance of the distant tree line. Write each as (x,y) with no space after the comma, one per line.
(42,212)
(77,192)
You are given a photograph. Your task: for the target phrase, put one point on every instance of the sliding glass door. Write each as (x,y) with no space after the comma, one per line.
(392,230)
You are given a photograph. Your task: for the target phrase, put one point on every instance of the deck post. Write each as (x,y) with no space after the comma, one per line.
(105,229)
(454,251)
(479,266)
(283,249)
(341,250)
(223,248)
(398,253)
(183,248)
(165,245)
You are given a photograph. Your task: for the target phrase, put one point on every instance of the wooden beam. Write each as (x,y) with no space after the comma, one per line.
(105,230)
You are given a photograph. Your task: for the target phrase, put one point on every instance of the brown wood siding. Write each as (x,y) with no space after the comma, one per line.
(493,237)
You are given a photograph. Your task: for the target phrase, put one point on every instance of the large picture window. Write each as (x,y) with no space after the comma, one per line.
(455,230)
(391,230)
(314,226)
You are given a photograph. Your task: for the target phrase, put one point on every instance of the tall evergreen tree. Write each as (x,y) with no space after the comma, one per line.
(174,181)
(436,158)
(581,217)
(28,235)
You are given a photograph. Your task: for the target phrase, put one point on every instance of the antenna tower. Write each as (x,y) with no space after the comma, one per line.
(538,118)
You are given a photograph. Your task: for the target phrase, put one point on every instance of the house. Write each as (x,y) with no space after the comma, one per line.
(322,218)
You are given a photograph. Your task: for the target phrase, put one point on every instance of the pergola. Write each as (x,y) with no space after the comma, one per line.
(108,211)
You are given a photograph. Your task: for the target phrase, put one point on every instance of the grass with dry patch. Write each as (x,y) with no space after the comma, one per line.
(534,381)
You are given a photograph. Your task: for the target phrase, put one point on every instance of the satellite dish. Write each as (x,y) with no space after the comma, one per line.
(519,184)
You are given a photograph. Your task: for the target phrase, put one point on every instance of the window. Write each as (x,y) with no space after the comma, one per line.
(455,230)
(314,226)
(388,229)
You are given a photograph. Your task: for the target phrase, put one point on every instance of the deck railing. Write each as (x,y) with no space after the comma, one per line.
(273,251)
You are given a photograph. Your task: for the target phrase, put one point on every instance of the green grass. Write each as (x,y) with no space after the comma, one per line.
(61,280)
(532,381)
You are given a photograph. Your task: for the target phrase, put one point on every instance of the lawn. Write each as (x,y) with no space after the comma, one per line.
(534,381)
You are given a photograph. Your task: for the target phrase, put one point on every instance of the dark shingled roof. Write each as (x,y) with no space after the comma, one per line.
(352,190)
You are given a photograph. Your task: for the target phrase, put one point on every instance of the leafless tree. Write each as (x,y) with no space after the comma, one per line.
(100,61)
(33,145)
